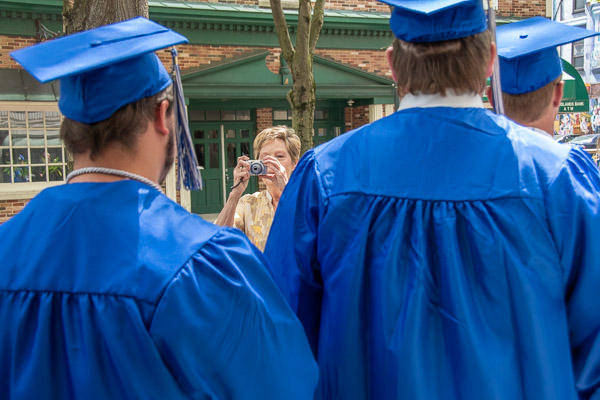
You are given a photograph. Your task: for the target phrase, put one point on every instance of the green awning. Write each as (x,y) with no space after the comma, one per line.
(575,95)
(19,85)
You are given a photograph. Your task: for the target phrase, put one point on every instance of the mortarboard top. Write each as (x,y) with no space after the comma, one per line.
(436,20)
(102,69)
(527,52)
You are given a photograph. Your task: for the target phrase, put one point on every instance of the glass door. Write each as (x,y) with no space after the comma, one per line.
(207,144)
(239,137)
(217,146)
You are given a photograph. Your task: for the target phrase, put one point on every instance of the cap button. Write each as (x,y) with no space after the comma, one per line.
(523,36)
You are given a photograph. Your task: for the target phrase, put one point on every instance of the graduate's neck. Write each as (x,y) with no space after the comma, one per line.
(143,161)
(544,123)
(146,159)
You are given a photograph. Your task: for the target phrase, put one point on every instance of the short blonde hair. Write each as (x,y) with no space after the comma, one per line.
(529,107)
(430,68)
(287,134)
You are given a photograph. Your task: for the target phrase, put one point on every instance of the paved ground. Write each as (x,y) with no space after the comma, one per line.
(209,217)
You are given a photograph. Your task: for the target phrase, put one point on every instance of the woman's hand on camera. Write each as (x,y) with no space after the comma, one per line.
(276,172)
(241,172)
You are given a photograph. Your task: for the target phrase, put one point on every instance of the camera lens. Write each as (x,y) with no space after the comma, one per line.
(255,168)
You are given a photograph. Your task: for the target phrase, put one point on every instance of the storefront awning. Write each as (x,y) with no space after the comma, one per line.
(575,95)
(18,85)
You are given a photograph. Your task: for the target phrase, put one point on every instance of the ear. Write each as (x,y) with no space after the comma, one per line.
(161,118)
(388,56)
(490,95)
(558,94)
(490,64)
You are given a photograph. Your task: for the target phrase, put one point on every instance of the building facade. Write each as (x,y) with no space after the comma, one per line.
(584,56)
(234,81)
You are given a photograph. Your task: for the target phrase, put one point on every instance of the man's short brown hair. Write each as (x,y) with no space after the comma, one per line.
(123,127)
(430,68)
(529,107)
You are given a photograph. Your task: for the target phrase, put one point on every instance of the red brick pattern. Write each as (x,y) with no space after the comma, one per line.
(521,8)
(195,56)
(8,208)
(10,43)
(515,8)
(348,5)
(372,61)
(355,117)
(264,119)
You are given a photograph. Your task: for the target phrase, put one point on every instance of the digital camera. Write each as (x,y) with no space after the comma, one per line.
(257,167)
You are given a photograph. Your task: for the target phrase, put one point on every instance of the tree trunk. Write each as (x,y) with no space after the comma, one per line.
(80,15)
(302,99)
(302,96)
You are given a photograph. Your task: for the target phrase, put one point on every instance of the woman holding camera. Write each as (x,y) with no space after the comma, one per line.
(278,148)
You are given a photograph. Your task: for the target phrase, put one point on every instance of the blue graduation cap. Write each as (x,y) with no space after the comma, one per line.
(103,69)
(436,20)
(527,52)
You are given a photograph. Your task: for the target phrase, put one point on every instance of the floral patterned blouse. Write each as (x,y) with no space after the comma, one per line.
(254,216)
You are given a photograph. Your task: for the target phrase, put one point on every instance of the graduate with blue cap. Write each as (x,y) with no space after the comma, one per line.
(110,290)
(531,69)
(444,251)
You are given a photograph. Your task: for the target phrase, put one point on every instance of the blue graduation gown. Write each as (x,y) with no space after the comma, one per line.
(112,291)
(456,261)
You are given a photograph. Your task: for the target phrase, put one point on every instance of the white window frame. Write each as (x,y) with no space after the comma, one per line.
(27,190)
(578,10)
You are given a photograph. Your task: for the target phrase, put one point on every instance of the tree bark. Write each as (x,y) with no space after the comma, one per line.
(80,15)
(302,96)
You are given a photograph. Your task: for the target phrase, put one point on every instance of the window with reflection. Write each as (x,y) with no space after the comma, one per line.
(199,149)
(228,115)
(577,58)
(30,147)
(245,149)
(231,155)
(321,114)
(213,150)
(282,115)
(220,115)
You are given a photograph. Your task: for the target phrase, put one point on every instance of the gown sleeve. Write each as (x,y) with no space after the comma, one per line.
(225,331)
(293,244)
(573,203)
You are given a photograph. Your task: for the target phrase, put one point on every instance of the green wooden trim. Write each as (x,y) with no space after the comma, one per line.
(229,24)
(219,24)
(249,91)
(249,104)
(216,24)
(18,17)
(43,6)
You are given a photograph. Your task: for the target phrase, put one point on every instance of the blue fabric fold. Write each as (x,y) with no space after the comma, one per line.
(111,290)
(458,261)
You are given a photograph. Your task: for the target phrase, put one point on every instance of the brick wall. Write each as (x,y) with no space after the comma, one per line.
(517,8)
(10,43)
(264,119)
(349,5)
(194,56)
(8,208)
(521,8)
(372,61)
(355,117)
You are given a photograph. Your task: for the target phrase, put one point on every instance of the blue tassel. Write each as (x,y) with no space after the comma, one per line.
(188,171)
